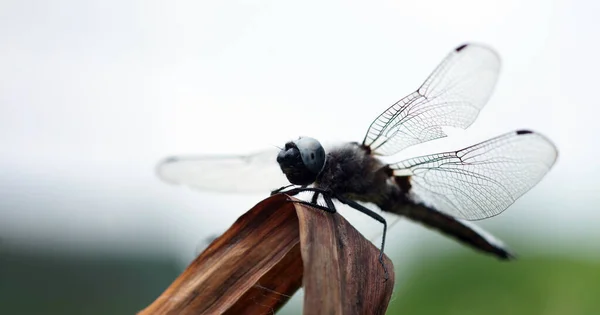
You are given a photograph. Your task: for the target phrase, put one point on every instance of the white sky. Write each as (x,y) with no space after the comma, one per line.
(94,93)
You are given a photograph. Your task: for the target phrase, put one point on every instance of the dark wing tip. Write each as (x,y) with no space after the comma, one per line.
(461,47)
(524,132)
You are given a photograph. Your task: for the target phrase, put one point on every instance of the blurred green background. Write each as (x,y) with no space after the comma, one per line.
(453,283)
(471,285)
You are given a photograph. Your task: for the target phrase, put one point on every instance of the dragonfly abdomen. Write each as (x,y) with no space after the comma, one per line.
(463,231)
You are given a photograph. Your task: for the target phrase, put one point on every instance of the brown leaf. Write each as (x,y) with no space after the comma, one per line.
(342,274)
(257,265)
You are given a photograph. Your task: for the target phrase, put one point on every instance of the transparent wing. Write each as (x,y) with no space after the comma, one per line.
(452,96)
(482,180)
(255,173)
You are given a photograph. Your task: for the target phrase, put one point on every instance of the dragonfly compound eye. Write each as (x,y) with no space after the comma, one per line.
(312,153)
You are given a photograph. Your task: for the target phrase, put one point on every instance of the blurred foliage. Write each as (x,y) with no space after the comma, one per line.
(37,283)
(457,284)
(475,284)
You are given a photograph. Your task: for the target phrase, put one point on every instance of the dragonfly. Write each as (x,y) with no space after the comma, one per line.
(442,191)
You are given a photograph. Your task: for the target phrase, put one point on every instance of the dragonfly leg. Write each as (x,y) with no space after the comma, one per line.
(316,206)
(276,191)
(295,191)
(329,201)
(375,216)
(313,203)
(327,196)
(315,197)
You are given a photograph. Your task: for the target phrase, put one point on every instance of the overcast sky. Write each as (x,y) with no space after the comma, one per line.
(94,93)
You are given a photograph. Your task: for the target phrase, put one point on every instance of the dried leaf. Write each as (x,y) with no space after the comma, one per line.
(258,264)
(342,273)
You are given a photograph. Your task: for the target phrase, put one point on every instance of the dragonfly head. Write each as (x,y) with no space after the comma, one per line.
(302,160)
